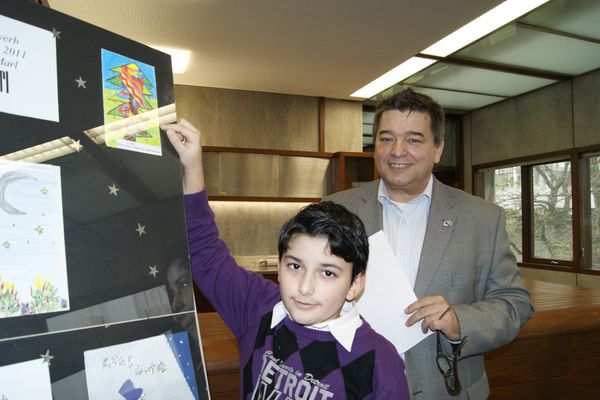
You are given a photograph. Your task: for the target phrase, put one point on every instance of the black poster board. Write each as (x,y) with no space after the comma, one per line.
(105,288)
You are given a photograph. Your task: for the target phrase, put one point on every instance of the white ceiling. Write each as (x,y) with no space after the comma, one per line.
(326,48)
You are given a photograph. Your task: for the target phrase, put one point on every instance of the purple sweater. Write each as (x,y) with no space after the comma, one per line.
(288,361)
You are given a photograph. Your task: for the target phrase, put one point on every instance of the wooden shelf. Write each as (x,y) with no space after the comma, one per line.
(293,153)
(266,199)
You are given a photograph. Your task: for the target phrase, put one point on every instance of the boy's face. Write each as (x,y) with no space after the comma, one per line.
(313,282)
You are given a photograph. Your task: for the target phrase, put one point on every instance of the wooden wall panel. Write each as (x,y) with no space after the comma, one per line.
(237,118)
(343,125)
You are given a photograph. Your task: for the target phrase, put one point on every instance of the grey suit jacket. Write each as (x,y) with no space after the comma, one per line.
(467,261)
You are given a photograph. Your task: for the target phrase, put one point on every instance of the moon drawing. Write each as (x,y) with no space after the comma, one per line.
(6,179)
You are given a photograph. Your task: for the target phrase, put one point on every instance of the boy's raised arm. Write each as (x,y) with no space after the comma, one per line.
(187,141)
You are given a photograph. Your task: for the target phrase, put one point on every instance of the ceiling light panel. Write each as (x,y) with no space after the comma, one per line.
(580,17)
(460,101)
(402,71)
(476,80)
(479,27)
(524,47)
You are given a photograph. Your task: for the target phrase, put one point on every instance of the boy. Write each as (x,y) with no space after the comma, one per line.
(301,339)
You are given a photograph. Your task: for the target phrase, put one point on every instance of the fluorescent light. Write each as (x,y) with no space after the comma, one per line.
(179,58)
(66,145)
(488,22)
(402,71)
(479,27)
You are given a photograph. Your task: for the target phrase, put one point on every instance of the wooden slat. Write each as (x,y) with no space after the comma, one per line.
(557,354)
(219,345)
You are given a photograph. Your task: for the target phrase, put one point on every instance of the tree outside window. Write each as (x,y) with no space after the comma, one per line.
(503,187)
(538,199)
(552,211)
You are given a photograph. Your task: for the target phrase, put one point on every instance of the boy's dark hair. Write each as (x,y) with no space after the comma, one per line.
(409,100)
(344,231)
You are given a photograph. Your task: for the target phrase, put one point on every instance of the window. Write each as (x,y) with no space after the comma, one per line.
(538,201)
(552,211)
(367,128)
(503,187)
(591,211)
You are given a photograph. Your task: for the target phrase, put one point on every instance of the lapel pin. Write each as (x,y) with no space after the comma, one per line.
(446,223)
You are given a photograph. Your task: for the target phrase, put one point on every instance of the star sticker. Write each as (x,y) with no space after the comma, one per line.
(81,82)
(153,270)
(113,190)
(39,229)
(47,357)
(55,33)
(44,191)
(78,146)
(141,229)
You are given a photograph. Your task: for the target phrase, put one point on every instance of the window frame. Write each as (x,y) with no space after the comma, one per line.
(586,229)
(580,183)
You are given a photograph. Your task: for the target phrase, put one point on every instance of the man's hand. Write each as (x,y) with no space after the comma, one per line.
(187,141)
(436,315)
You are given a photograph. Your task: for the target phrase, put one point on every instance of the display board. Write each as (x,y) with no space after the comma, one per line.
(96,297)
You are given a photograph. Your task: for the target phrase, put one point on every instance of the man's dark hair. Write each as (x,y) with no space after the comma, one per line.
(409,100)
(343,230)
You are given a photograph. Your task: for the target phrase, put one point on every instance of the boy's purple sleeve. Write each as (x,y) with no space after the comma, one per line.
(239,296)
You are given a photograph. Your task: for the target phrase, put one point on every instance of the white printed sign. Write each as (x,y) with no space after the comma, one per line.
(25,380)
(28,78)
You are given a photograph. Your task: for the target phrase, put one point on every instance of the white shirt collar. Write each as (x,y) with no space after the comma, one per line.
(343,328)
(382,194)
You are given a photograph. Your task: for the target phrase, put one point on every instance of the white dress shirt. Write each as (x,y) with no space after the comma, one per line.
(404,225)
(342,328)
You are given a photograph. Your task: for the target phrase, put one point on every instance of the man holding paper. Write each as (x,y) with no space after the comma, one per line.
(450,247)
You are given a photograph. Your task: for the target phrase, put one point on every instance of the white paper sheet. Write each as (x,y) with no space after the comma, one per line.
(145,367)
(28,79)
(386,313)
(33,265)
(25,381)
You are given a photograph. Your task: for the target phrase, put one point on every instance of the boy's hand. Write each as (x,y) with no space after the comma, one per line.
(186,140)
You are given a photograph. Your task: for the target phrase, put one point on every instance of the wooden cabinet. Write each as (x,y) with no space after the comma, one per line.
(352,169)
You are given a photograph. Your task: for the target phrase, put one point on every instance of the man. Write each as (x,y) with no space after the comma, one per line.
(453,248)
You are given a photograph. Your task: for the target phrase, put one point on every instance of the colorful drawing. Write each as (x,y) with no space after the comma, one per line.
(33,268)
(34,377)
(159,367)
(130,104)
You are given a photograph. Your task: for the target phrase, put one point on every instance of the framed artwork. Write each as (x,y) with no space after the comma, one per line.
(93,244)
